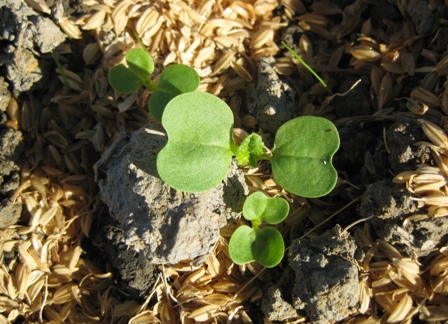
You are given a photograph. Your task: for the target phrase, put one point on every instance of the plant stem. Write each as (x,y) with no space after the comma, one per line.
(308,67)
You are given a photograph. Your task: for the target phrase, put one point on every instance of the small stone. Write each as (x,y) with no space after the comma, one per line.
(326,284)
(271,100)
(168,225)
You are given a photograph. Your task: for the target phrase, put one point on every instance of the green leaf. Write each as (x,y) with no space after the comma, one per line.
(250,150)
(128,79)
(179,78)
(258,206)
(265,246)
(123,80)
(140,62)
(268,248)
(199,149)
(302,156)
(240,245)
(174,80)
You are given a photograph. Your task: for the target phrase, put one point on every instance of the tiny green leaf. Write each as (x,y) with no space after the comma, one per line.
(174,80)
(123,79)
(140,62)
(199,149)
(250,150)
(258,206)
(268,248)
(265,246)
(302,156)
(179,78)
(240,245)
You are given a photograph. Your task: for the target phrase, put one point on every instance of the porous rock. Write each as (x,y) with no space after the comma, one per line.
(271,100)
(12,147)
(169,225)
(326,284)
(24,31)
(275,307)
(276,303)
(404,154)
(388,206)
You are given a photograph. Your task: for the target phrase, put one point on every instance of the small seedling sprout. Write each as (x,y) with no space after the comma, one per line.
(264,245)
(200,147)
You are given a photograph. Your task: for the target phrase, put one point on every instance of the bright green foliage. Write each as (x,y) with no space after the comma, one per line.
(264,245)
(129,79)
(270,210)
(302,156)
(174,80)
(250,150)
(200,147)
(199,127)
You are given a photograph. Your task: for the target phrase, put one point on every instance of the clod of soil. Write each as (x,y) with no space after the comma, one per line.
(166,225)
(326,284)
(12,148)
(389,206)
(25,31)
(271,100)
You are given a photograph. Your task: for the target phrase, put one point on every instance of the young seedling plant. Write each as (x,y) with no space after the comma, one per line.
(264,245)
(173,81)
(200,147)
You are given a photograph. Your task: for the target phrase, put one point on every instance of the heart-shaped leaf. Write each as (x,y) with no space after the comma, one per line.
(174,80)
(140,62)
(302,156)
(128,79)
(199,149)
(265,246)
(123,79)
(258,206)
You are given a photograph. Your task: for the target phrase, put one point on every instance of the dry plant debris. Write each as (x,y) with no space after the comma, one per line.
(43,274)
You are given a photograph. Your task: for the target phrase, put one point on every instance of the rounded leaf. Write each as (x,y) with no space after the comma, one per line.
(258,206)
(179,78)
(302,156)
(198,153)
(174,80)
(123,79)
(240,245)
(266,246)
(158,101)
(140,62)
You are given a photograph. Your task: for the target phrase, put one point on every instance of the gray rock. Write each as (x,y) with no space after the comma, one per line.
(389,206)
(326,284)
(9,212)
(404,155)
(136,271)
(275,307)
(169,225)
(423,18)
(270,100)
(26,31)
(5,95)
(11,150)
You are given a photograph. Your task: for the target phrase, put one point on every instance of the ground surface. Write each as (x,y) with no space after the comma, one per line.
(371,251)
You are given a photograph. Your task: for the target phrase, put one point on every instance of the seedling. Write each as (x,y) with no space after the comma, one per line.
(199,128)
(264,245)
(200,147)
(174,80)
